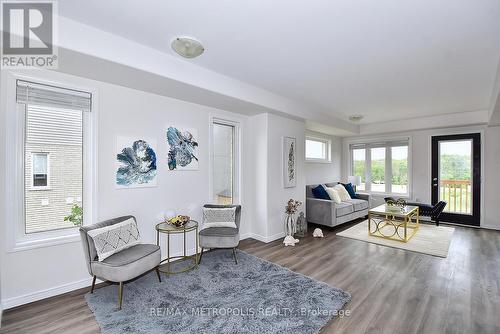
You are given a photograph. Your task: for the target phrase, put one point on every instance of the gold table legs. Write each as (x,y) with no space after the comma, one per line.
(398,228)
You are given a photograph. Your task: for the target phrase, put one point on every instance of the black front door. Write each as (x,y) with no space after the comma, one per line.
(456,177)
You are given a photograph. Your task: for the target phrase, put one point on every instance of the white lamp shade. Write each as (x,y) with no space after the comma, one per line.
(355,180)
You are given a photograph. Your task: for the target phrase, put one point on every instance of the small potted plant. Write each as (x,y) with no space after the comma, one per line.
(76,216)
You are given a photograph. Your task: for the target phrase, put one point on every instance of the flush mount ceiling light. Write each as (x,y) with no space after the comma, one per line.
(356,118)
(187,47)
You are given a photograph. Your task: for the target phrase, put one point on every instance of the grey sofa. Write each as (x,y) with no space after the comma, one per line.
(221,237)
(122,266)
(329,213)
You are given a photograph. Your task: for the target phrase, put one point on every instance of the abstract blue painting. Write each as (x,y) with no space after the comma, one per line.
(182,149)
(136,163)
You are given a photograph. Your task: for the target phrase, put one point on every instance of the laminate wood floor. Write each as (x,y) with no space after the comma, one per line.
(393,291)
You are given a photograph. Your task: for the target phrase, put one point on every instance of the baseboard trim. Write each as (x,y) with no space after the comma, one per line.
(266,239)
(43,294)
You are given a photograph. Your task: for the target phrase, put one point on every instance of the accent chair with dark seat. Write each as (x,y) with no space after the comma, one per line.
(221,237)
(122,266)
(427,210)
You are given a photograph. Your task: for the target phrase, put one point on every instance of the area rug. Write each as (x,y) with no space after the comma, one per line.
(429,239)
(253,296)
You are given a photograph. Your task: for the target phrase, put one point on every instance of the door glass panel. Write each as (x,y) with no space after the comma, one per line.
(358,158)
(378,169)
(455,175)
(223,159)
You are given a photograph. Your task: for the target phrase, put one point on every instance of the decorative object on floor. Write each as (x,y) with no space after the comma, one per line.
(301,226)
(182,149)
(400,225)
(354,180)
(430,239)
(317,233)
(179,220)
(289,162)
(219,285)
(220,236)
(426,210)
(290,210)
(135,163)
(122,266)
(170,229)
(290,241)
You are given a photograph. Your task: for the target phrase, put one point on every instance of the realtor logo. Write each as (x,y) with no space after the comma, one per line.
(28,32)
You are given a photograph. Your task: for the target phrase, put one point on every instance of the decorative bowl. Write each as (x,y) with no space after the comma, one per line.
(179,220)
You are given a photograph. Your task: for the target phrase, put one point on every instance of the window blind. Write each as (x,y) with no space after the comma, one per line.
(46,95)
(390,143)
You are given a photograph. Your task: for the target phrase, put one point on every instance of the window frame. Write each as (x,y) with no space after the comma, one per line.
(39,188)
(328,149)
(388,143)
(17,238)
(236,158)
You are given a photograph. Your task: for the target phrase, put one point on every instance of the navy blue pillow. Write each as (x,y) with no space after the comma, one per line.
(320,192)
(350,190)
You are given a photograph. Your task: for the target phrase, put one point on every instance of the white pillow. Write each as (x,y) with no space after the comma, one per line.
(334,195)
(344,195)
(219,217)
(112,239)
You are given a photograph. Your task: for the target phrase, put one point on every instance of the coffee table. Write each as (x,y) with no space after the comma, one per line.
(388,222)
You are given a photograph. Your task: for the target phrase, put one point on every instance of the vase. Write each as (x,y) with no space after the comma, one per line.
(290,226)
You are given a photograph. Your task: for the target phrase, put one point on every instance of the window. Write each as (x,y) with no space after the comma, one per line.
(55,121)
(383,166)
(318,149)
(224,147)
(40,170)
(359,167)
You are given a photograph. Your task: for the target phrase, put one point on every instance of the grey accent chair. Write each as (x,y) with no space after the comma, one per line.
(329,213)
(221,237)
(122,266)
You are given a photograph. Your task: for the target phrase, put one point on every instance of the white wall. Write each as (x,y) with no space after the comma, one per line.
(317,172)
(33,274)
(492,177)
(278,196)
(270,196)
(420,177)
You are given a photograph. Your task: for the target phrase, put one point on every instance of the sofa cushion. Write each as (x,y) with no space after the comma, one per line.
(131,254)
(334,195)
(358,204)
(343,209)
(219,231)
(127,264)
(344,195)
(320,192)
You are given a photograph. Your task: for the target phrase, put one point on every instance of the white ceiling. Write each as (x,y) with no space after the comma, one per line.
(386,59)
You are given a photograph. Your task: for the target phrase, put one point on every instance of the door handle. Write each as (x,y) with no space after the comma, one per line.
(435,184)
(435,179)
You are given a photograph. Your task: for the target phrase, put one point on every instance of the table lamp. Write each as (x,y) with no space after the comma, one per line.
(354,180)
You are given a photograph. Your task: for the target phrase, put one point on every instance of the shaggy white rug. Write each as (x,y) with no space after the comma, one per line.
(429,239)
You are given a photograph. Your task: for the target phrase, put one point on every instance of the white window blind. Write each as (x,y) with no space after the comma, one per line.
(46,95)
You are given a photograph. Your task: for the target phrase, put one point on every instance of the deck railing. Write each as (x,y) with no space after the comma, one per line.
(458,194)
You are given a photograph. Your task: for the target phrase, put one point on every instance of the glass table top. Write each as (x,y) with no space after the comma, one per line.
(166,227)
(385,209)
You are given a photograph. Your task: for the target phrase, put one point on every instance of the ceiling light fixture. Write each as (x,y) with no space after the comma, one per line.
(187,47)
(356,118)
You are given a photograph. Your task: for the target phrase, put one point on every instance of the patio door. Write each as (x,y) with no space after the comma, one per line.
(456,177)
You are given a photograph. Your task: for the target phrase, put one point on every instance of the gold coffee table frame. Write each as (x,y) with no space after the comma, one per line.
(168,229)
(404,222)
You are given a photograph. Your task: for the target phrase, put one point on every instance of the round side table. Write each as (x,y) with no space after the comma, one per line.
(169,229)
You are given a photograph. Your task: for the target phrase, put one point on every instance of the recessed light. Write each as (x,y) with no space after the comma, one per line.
(187,47)
(356,118)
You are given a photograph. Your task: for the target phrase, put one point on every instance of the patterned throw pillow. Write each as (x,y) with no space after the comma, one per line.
(219,217)
(112,239)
